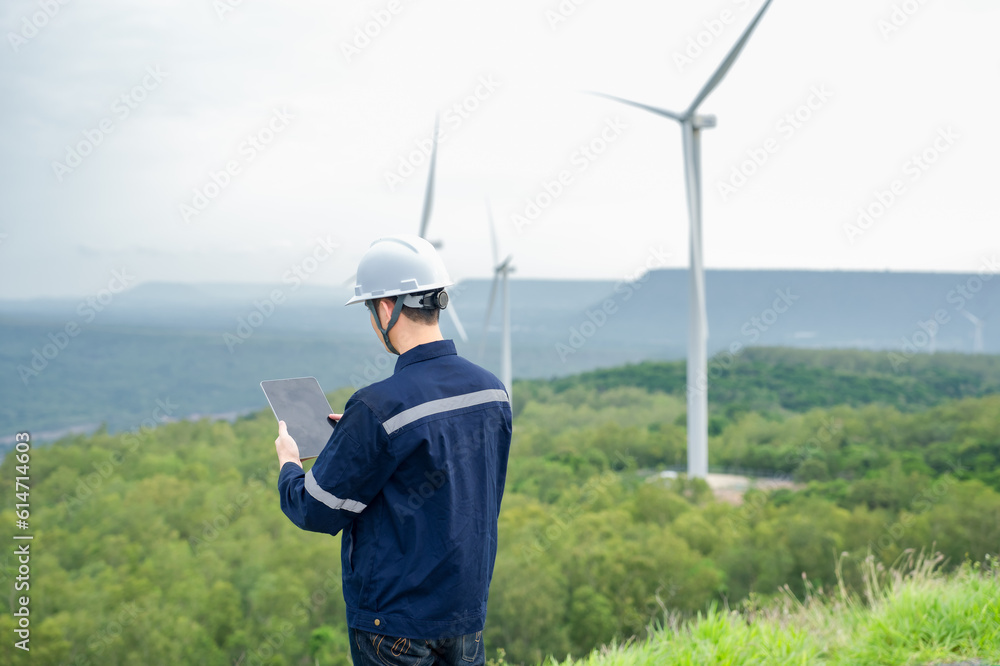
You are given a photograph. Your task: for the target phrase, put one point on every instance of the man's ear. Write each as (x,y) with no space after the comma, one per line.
(385,306)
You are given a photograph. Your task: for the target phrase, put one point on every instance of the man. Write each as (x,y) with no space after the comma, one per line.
(412,476)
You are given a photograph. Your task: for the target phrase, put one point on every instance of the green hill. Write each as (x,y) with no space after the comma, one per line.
(914,616)
(781,378)
(166,545)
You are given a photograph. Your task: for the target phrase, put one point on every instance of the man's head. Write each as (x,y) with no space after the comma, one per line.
(402,279)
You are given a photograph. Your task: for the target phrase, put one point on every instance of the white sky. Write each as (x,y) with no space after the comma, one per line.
(324,172)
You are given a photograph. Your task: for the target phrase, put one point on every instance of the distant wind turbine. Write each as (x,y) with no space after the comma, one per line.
(501,269)
(977,340)
(697,358)
(425,219)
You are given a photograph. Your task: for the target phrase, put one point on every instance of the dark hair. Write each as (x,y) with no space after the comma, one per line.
(422,316)
(418,315)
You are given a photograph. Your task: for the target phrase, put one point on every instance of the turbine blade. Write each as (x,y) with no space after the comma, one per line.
(645,107)
(351,281)
(489,304)
(493,233)
(723,68)
(489,311)
(453,313)
(425,217)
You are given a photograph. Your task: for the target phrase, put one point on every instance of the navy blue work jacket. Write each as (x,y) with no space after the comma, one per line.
(413,476)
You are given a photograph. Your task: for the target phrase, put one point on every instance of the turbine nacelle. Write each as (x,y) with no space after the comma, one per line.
(505,265)
(699,121)
(501,269)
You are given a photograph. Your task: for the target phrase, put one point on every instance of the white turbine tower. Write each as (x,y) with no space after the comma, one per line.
(501,269)
(697,358)
(977,340)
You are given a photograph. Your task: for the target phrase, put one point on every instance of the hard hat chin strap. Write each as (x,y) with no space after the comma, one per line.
(392,321)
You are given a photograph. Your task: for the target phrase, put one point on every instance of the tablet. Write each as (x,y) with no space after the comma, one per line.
(303,406)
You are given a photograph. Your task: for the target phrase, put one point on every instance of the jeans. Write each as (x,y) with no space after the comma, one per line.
(369,649)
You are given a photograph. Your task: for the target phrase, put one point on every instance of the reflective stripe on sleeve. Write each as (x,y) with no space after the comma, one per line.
(329,499)
(432,407)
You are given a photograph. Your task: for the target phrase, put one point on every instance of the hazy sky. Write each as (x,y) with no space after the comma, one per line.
(117,117)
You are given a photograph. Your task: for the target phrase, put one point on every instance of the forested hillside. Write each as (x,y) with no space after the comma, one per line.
(167,545)
(780,378)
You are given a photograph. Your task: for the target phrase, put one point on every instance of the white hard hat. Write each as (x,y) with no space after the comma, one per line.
(398,265)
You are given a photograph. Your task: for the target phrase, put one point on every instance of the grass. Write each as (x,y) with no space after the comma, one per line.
(909,614)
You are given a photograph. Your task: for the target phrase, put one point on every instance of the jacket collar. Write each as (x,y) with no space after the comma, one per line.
(425,352)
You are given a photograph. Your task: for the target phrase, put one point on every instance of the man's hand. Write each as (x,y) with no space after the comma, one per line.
(288,450)
(334,418)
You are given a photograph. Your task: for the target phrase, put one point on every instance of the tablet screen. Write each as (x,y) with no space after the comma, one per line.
(301,404)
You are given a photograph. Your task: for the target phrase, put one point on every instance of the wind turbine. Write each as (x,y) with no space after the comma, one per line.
(501,269)
(425,219)
(977,340)
(697,358)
